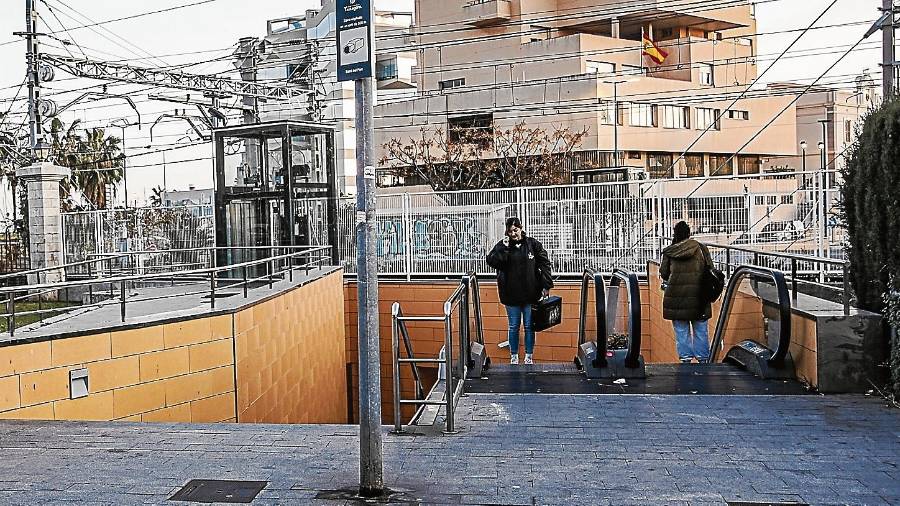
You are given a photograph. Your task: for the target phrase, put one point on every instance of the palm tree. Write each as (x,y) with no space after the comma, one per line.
(96,161)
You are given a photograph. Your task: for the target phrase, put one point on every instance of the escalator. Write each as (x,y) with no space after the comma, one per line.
(747,367)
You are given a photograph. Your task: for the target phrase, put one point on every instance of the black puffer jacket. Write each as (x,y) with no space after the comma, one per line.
(682,266)
(523,271)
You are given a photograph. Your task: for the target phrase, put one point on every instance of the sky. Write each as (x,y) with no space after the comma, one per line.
(215,27)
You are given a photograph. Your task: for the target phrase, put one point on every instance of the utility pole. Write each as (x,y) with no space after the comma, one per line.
(823,194)
(31,58)
(355,29)
(247,64)
(889,64)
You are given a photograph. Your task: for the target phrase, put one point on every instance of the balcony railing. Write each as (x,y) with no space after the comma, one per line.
(487,12)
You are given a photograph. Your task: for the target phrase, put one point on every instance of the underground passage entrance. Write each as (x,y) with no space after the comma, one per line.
(746,358)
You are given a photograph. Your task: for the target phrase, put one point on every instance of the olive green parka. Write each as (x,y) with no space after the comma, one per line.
(682,267)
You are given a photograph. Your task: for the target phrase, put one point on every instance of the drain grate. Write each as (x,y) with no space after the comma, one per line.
(219,491)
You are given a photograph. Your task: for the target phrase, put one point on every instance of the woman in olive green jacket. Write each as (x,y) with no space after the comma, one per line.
(682,268)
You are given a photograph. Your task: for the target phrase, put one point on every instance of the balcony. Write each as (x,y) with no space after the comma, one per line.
(487,12)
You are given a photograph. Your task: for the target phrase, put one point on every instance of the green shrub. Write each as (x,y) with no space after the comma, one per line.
(892,313)
(871,208)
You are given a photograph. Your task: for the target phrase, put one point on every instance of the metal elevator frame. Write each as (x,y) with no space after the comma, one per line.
(285,130)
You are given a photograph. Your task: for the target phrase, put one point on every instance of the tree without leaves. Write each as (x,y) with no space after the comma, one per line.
(484,158)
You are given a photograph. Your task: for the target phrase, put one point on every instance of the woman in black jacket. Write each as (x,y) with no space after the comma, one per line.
(523,276)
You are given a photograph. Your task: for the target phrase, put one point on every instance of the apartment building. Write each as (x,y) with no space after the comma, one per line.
(581,64)
(304,45)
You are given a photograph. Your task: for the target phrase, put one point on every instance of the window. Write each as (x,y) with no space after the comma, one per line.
(659,165)
(634,155)
(720,165)
(748,165)
(787,199)
(386,69)
(738,115)
(608,113)
(477,129)
(760,200)
(706,74)
(642,115)
(848,131)
(707,118)
(693,166)
(600,67)
(675,116)
(451,83)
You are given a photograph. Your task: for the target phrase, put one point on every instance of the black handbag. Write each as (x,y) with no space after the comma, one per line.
(547,313)
(713,283)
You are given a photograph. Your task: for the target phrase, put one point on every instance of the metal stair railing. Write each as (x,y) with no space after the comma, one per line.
(455,371)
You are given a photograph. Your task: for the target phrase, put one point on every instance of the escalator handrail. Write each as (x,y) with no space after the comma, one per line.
(397,315)
(587,277)
(784,308)
(471,280)
(632,284)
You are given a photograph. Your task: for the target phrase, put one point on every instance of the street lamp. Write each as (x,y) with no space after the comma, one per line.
(42,150)
(803,147)
(615,116)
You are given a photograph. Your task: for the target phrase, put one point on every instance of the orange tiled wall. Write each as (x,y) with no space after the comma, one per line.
(174,372)
(291,367)
(290,357)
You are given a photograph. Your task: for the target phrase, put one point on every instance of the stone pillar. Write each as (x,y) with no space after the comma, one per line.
(45,245)
(615,28)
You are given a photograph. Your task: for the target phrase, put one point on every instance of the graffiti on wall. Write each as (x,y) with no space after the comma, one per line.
(444,237)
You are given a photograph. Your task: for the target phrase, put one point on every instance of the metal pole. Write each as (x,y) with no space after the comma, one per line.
(122,291)
(845,269)
(448,371)
(887,48)
(794,278)
(371,460)
(823,183)
(212,290)
(395,351)
(33,79)
(244,269)
(615,120)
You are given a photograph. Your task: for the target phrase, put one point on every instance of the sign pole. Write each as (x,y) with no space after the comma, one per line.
(355,41)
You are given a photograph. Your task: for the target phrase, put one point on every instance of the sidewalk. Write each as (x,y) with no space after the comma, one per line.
(513,449)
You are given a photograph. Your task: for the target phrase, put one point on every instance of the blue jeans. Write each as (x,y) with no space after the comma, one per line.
(689,347)
(516,314)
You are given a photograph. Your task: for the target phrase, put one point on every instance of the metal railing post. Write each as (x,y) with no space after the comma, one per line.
(11,308)
(728,261)
(395,354)
(90,285)
(244,269)
(212,290)
(269,272)
(794,278)
(290,261)
(845,269)
(122,291)
(448,368)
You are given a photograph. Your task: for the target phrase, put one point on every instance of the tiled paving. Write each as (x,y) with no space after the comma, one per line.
(513,449)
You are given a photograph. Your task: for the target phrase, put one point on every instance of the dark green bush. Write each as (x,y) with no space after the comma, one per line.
(871,201)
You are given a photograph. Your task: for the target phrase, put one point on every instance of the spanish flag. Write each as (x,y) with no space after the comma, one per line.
(654,52)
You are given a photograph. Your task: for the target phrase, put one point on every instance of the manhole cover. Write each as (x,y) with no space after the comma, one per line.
(219,491)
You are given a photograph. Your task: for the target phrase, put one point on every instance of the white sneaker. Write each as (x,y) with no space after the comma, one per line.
(514,359)
(529,359)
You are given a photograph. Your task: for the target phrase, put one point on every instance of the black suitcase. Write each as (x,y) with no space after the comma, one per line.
(547,313)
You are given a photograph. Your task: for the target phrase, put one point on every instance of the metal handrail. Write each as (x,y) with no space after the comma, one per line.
(122,281)
(459,299)
(784,309)
(592,276)
(632,358)
(399,327)
(845,290)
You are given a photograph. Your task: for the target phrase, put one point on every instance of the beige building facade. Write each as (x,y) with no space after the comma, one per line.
(579,65)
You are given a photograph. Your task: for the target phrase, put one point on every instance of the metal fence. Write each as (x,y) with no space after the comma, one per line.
(602,225)
(92,233)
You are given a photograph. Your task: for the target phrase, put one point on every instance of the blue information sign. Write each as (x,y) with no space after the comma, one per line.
(354,39)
